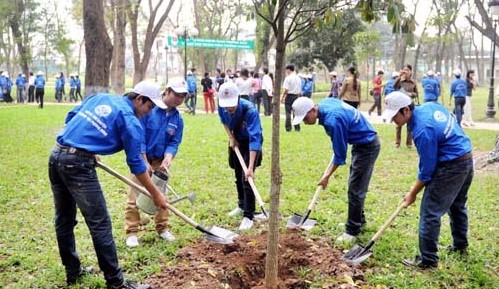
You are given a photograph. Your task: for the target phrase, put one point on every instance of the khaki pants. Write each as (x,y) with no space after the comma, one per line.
(398,136)
(132,214)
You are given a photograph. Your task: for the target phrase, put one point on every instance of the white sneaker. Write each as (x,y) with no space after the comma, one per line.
(236,211)
(166,235)
(246,224)
(260,217)
(132,241)
(346,238)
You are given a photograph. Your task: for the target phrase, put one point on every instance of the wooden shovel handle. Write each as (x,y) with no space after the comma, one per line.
(388,222)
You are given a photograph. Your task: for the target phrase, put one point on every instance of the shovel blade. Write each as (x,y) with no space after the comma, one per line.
(220,235)
(294,222)
(357,254)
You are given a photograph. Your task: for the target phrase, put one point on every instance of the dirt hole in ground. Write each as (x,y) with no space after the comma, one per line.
(241,265)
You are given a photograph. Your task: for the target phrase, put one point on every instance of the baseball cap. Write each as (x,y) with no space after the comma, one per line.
(394,102)
(177,84)
(40,73)
(395,74)
(228,95)
(151,90)
(457,71)
(332,73)
(430,73)
(301,106)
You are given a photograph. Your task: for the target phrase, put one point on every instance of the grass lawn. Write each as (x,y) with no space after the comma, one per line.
(28,250)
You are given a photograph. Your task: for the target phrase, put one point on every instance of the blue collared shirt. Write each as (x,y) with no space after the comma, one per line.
(105,124)
(437,137)
(459,88)
(431,89)
(345,125)
(163,132)
(389,86)
(244,123)
(39,82)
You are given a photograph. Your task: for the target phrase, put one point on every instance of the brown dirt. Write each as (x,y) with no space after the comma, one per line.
(481,164)
(242,265)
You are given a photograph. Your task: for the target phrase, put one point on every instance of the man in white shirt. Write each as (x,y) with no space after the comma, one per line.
(244,84)
(267,88)
(292,90)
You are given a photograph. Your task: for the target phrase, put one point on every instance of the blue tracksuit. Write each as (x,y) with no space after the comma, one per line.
(431,89)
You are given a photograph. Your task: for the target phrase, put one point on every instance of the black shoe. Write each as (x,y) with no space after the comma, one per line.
(83,272)
(127,284)
(418,263)
(461,251)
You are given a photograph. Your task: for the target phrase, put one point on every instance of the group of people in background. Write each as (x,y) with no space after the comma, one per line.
(32,88)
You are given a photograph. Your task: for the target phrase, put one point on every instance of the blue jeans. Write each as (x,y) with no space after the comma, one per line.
(447,192)
(459,103)
(363,158)
(74,183)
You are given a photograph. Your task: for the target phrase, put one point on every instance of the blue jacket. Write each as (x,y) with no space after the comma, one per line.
(105,124)
(307,87)
(244,124)
(345,125)
(20,82)
(389,86)
(459,88)
(78,82)
(437,137)
(72,82)
(191,84)
(39,82)
(431,89)
(58,84)
(163,132)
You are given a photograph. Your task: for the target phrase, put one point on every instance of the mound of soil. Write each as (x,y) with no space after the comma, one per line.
(482,165)
(241,265)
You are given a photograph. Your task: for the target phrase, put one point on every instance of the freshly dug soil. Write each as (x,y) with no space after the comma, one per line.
(241,265)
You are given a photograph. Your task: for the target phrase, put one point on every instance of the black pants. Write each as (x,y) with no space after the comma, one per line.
(377,104)
(39,93)
(266,99)
(31,93)
(288,106)
(78,92)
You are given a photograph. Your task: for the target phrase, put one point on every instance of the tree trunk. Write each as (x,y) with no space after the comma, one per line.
(98,48)
(119,47)
(272,260)
(18,36)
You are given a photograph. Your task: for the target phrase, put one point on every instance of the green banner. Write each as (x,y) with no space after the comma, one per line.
(211,43)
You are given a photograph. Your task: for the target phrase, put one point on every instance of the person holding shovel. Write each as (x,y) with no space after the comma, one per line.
(242,123)
(163,135)
(445,173)
(345,125)
(102,125)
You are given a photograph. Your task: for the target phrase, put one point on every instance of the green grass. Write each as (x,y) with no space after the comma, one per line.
(28,250)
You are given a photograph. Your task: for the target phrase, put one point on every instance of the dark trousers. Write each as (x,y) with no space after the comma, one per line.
(288,106)
(31,93)
(363,159)
(355,104)
(78,93)
(257,97)
(446,193)
(39,93)
(190,102)
(459,103)
(74,183)
(72,94)
(377,104)
(267,102)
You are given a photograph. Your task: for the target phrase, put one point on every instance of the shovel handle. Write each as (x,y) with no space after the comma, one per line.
(250,179)
(387,223)
(142,190)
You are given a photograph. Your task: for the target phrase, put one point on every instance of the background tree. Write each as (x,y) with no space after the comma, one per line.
(118,24)
(60,40)
(366,49)
(98,48)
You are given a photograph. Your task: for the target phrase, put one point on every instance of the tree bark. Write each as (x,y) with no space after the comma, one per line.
(24,53)
(119,47)
(98,48)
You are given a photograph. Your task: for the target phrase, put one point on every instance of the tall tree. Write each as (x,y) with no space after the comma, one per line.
(486,27)
(292,19)
(150,34)
(118,19)
(98,47)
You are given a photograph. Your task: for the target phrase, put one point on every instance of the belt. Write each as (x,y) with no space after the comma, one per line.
(458,160)
(72,150)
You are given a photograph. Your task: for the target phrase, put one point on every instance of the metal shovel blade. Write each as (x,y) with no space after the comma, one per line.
(294,222)
(220,235)
(357,254)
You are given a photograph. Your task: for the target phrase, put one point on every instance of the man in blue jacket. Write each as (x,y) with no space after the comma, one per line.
(39,88)
(163,135)
(458,90)
(102,125)
(445,173)
(21,87)
(431,88)
(192,89)
(242,122)
(345,125)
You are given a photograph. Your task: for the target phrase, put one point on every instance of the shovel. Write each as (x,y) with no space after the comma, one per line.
(359,254)
(214,234)
(302,221)
(251,182)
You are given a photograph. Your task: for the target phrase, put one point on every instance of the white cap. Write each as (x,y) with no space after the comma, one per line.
(177,84)
(228,95)
(395,74)
(301,106)
(333,73)
(189,72)
(40,73)
(394,102)
(457,71)
(430,73)
(151,90)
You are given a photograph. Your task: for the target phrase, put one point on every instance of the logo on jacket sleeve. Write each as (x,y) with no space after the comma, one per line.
(103,110)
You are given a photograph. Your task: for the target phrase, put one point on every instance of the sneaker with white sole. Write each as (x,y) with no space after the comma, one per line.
(246,224)
(236,211)
(166,235)
(132,241)
(346,238)
(260,217)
